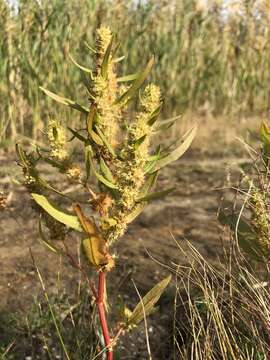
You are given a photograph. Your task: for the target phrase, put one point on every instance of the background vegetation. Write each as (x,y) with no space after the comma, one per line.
(210,58)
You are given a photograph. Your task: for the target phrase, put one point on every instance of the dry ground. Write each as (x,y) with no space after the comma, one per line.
(190,213)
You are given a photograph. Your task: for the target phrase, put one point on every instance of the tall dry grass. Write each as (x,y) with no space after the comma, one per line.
(210,59)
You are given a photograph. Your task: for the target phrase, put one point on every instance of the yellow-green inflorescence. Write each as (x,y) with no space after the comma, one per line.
(105,88)
(260,219)
(130,170)
(57,138)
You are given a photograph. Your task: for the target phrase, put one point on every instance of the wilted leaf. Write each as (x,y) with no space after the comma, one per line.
(64,218)
(178,152)
(65,101)
(94,246)
(146,306)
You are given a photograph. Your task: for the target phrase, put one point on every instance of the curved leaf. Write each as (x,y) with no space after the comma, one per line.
(155,195)
(178,152)
(146,306)
(137,83)
(65,101)
(64,218)
(83,68)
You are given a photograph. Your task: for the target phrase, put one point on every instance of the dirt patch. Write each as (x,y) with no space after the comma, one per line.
(189,213)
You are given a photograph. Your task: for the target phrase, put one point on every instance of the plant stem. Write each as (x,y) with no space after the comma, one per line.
(102,314)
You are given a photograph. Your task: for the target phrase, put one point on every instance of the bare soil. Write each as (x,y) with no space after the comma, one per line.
(200,179)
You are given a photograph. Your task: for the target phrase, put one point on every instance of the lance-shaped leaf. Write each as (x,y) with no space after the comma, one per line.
(101,178)
(106,170)
(22,155)
(105,62)
(78,136)
(105,141)
(127,78)
(139,141)
(88,155)
(95,246)
(154,116)
(152,160)
(137,83)
(65,101)
(91,118)
(89,47)
(149,183)
(146,305)
(155,195)
(265,138)
(46,242)
(119,59)
(166,124)
(178,152)
(247,238)
(64,218)
(138,209)
(83,68)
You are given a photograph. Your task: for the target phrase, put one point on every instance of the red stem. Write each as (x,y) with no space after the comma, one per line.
(102,314)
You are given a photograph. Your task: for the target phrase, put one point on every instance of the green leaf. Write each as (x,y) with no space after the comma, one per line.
(101,178)
(127,78)
(155,195)
(146,306)
(265,138)
(137,83)
(149,183)
(179,151)
(138,209)
(65,101)
(83,68)
(106,170)
(47,243)
(154,116)
(247,238)
(105,62)
(91,119)
(88,155)
(78,136)
(64,218)
(167,123)
(139,141)
(89,47)
(22,155)
(152,160)
(105,141)
(119,59)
